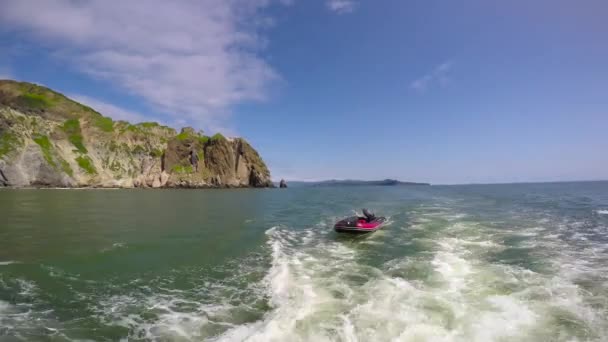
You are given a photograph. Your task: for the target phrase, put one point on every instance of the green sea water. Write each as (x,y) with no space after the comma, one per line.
(521,262)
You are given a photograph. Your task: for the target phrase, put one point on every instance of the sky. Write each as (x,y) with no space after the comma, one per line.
(447,92)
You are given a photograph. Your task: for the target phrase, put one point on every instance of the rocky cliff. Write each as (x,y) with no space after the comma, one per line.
(46,139)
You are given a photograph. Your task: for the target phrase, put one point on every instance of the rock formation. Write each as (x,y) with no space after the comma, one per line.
(283,184)
(47,139)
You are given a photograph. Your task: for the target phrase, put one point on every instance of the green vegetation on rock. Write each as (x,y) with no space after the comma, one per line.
(217,136)
(182,169)
(183,136)
(142,127)
(156,153)
(72,128)
(86,164)
(104,123)
(138,149)
(8,141)
(113,146)
(148,124)
(45,146)
(87,108)
(65,166)
(35,101)
(133,128)
(115,166)
(41,101)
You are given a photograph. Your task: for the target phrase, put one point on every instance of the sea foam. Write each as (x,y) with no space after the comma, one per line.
(5,263)
(321,290)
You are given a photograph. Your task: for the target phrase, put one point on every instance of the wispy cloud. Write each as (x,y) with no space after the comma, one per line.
(439,76)
(341,6)
(193,59)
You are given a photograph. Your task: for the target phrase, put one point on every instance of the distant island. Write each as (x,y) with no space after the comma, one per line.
(354,182)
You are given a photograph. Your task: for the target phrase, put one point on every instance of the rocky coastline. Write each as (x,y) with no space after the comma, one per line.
(49,140)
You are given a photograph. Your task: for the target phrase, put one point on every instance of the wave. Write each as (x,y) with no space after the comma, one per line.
(4,307)
(9,262)
(115,246)
(23,319)
(187,304)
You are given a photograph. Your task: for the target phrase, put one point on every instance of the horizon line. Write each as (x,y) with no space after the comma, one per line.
(447,184)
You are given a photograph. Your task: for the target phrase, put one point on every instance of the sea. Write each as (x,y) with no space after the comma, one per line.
(511,262)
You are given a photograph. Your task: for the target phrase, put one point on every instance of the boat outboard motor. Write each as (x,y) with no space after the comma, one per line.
(368,216)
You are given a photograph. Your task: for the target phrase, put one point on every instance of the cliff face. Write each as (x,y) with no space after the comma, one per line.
(47,139)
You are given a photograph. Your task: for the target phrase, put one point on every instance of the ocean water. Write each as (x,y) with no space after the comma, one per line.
(522,262)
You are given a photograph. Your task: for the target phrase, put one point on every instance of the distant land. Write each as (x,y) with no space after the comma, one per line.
(354,182)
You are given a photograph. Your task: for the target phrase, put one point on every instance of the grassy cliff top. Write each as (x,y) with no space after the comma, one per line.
(35,99)
(38,100)
(76,119)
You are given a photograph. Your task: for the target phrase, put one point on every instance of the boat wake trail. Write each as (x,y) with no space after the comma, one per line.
(464,283)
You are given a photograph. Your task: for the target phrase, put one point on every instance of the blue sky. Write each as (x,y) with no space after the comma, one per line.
(438,91)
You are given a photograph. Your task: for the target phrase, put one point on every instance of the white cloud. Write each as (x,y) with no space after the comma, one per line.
(192,59)
(438,76)
(341,6)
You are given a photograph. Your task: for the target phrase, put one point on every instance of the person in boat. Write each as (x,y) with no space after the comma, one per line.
(369,217)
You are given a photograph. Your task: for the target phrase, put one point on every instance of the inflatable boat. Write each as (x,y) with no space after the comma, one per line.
(357,224)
